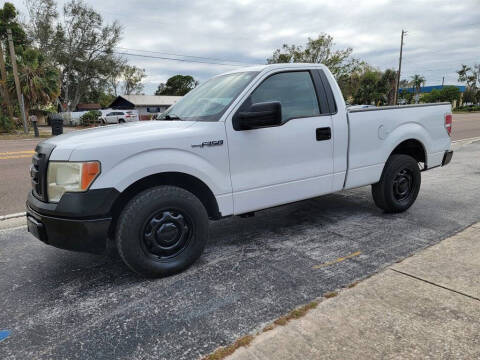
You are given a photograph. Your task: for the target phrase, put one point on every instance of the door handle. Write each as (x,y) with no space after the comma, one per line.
(324,134)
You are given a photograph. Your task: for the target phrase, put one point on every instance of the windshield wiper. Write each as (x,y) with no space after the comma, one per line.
(172,117)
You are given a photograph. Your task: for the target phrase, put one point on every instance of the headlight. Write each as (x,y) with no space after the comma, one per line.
(67,176)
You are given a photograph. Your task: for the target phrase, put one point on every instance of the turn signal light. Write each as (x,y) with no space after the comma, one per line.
(90,170)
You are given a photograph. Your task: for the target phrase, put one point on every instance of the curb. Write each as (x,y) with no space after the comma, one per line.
(12,216)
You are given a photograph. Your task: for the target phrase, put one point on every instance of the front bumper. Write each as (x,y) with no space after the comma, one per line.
(79,222)
(76,235)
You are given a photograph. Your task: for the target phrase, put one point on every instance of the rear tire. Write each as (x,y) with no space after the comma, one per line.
(121,121)
(162,231)
(399,185)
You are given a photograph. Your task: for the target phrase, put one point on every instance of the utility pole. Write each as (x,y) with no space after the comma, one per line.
(3,72)
(399,69)
(17,81)
(443,80)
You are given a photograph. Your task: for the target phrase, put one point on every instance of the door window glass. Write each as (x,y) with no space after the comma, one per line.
(294,90)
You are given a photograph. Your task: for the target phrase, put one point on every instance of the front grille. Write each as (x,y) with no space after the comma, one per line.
(38,170)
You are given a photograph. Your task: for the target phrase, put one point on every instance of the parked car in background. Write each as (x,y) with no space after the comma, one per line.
(118,116)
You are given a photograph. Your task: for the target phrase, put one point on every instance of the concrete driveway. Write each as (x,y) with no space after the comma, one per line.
(57,304)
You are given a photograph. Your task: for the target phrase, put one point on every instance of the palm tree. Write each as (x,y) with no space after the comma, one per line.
(417,82)
(40,82)
(463,73)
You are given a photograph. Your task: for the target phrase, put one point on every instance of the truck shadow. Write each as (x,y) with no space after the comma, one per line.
(230,234)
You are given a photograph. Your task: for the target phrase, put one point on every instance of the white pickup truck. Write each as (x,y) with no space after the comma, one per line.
(241,142)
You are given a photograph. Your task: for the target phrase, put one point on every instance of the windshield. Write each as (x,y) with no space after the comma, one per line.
(210,100)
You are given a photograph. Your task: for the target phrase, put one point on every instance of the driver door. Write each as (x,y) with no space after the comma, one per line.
(280,164)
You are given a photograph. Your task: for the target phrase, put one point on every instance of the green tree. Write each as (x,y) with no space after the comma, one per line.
(178,85)
(350,82)
(9,20)
(41,29)
(470,95)
(388,85)
(370,90)
(39,80)
(406,95)
(132,77)
(319,50)
(79,43)
(470,75)
(448,93)
(417,82)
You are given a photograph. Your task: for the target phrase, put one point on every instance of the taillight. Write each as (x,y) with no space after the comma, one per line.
(448,123)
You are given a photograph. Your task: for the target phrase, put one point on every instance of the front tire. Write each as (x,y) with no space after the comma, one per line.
(399,185)
(162,231)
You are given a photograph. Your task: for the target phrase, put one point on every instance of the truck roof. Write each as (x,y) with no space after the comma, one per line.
(276,66)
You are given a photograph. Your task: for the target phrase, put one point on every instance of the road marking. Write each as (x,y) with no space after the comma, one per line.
(17,152)
(336,261)
(15,157)
(4,334)
(467,139)
(12,216)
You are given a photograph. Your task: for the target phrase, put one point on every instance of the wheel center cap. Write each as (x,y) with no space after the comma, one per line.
(403,185)
(167,233)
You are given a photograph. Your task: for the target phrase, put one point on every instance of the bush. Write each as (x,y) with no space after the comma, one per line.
(90,118)
(6,125)
(468,108)
(447,93)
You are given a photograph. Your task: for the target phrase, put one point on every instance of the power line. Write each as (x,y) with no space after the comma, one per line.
(182,55)
(176,59)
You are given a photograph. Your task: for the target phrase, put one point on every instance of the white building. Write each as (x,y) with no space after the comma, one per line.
(146,105)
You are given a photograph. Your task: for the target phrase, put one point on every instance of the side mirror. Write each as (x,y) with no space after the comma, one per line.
(259,115)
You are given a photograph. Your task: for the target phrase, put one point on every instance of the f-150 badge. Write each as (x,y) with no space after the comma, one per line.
(209,143)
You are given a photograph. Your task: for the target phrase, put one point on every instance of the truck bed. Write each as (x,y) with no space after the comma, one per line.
(375,132)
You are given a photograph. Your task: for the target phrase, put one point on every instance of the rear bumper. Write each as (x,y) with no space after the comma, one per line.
(447,157)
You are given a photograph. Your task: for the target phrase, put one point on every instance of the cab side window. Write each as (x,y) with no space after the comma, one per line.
(294,90)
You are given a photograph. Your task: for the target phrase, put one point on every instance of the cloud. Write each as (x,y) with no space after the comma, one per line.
(441,34)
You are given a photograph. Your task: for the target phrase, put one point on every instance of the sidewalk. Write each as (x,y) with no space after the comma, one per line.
(426,307)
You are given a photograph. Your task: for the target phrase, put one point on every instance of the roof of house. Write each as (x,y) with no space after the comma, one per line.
(150,100)
(88,106)
(427,89)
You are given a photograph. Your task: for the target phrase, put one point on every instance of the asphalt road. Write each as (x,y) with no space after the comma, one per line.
(15,160)
(60,305)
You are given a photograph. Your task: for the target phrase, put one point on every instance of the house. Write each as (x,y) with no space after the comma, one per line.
(146,105)
(87,107)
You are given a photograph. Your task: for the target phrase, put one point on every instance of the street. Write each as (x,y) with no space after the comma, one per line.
(15,160)
(59,304)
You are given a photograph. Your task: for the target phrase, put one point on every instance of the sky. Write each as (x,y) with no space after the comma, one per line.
(441,35)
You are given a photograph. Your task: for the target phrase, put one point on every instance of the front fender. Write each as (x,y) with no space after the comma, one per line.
(141,165)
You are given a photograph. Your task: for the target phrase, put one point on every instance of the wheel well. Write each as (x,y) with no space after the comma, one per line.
(187,182)
(411,147)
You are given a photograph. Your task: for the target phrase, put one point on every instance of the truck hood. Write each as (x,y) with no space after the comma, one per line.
(122,133)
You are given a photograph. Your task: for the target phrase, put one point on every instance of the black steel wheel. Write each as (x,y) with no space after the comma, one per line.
(166,234)
(399,184)
(162,231)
